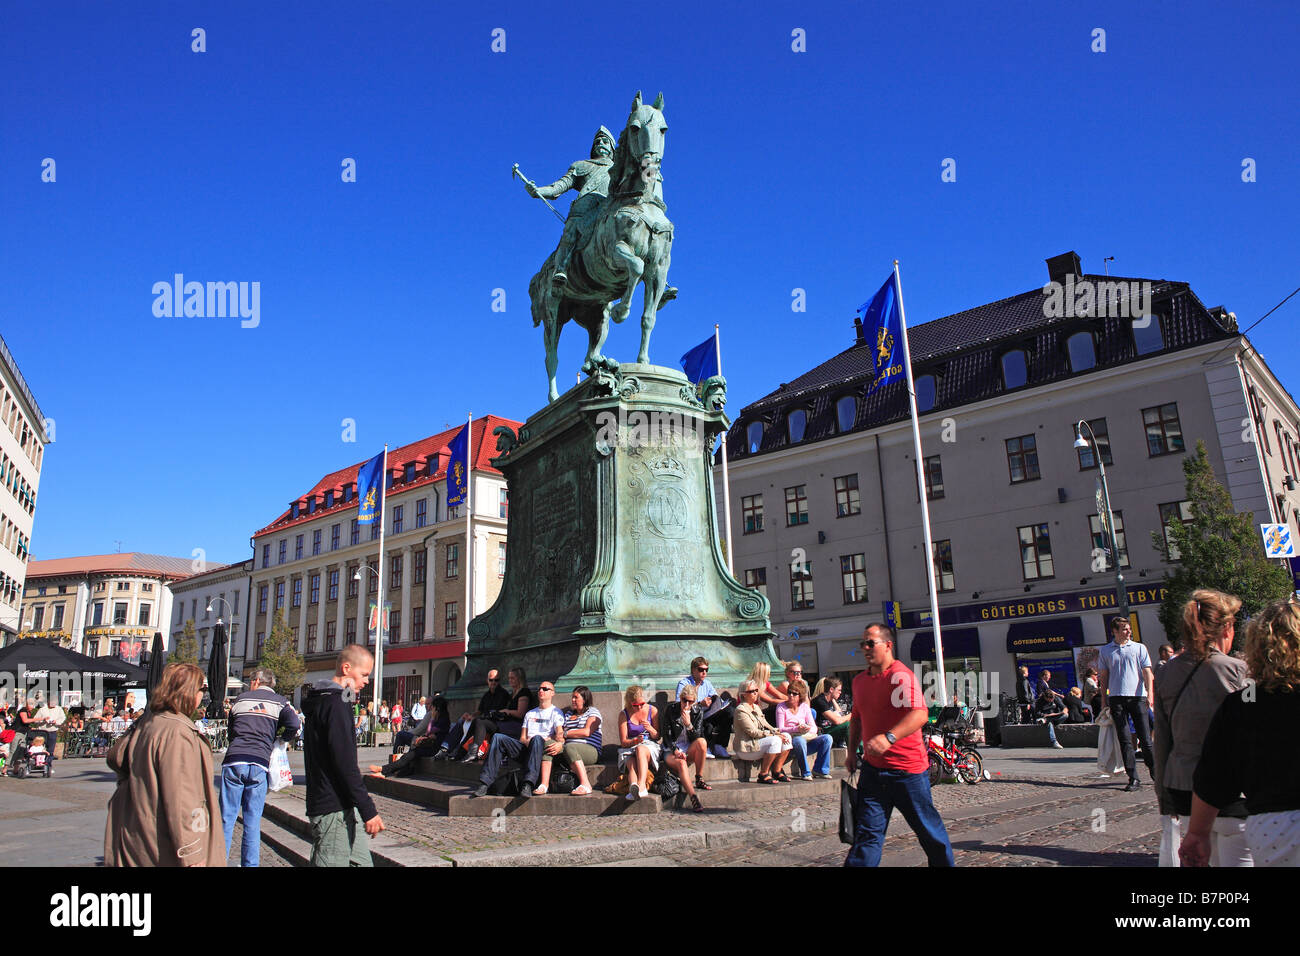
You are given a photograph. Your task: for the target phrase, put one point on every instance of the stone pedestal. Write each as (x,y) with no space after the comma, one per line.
(615,575)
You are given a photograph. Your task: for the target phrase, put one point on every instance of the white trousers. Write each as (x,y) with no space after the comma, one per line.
(1229,843)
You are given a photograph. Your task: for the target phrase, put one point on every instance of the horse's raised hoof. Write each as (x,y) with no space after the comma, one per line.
(621,313)
(670,293)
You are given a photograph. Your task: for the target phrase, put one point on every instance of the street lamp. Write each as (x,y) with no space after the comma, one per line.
(1121,591)
(231,639)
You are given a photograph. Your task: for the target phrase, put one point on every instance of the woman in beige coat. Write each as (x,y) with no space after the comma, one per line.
(753,738)
(165,806)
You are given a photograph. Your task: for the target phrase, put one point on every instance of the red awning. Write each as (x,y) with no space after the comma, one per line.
(424,652)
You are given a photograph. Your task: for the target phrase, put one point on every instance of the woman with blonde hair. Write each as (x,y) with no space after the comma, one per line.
(768,696)
(1189,690)
(754,738)
(165,810)
(638,741)
(1252,748)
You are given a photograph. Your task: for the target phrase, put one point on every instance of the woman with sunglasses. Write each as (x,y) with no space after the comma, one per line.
(683,724)
(768,696)
(638,740)
(755,739)
(795,718)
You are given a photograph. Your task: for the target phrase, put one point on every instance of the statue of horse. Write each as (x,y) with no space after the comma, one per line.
(629,244)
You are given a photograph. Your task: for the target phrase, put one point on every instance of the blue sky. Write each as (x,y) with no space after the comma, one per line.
(782,170)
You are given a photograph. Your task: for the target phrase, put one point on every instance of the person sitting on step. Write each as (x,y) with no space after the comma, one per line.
(540,738)
(685,742)
(795,718)
(755,739)
(638,741)
(429,734)
(582,738)
(496,698)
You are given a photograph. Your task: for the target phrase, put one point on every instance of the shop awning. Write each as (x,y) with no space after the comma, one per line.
(1048,634)
(444,650)
(957,642)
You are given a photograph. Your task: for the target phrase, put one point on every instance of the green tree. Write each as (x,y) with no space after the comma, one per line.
(186,650)
(1218,549)
(280,656)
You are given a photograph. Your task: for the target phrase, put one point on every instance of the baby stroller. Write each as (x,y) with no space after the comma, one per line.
(24,763)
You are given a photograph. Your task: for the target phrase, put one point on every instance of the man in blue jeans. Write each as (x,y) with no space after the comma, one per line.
(257,718)
(888,713)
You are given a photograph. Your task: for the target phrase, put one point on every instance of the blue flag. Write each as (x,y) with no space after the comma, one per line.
(701,362)
(882,326)
(458,468)
(370,489)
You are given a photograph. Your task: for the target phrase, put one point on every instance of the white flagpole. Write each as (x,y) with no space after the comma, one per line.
(379,610)
(726,476)
(925,504)
(469,528)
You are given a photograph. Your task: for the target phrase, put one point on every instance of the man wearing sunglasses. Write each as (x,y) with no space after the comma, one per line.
(495,698)
(717,727)
(888,713)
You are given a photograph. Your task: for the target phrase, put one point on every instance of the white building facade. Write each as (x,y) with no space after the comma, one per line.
(23,436)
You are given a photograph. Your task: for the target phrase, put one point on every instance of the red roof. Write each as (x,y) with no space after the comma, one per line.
(129,562)
(482,442)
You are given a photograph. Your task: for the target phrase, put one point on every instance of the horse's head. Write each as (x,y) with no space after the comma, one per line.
(642,143)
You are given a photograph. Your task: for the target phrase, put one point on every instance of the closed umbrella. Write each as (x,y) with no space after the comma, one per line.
(157,661)
(218,665)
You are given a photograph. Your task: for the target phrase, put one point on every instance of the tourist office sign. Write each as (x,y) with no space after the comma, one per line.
(1075,602)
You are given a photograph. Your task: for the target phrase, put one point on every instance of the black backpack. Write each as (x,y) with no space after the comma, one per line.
(509,780)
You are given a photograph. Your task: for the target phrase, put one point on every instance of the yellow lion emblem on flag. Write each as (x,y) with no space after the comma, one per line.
(884,347)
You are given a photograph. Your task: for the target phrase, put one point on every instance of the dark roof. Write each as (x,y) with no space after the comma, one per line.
(963,352)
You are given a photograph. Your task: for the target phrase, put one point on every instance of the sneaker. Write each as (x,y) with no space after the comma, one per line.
(1131,786)
(633,793)
(1058,745)
(708,755)
(822,776)
(526,790)
(480,791)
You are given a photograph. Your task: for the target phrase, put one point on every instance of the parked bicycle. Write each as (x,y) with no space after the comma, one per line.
(950,757)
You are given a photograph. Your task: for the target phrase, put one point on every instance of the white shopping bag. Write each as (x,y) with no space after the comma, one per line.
(280,775)
(1110,759)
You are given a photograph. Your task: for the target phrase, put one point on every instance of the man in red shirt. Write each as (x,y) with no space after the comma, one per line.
(888,713)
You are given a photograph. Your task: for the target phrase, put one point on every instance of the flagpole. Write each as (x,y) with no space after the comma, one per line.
(379,609)
(726,476)
(920,484)
(469,528)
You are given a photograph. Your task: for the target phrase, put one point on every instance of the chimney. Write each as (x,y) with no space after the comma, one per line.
(1066,264)
(857,328)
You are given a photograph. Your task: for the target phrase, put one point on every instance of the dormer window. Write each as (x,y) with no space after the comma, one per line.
(1147,335)
(754,436)
(1015,369)
(311,504)
(796,424)
(408,473)
(432,461)
(329,499)
(293,510)
(347,492)
(846,413)
(925,393)
(1082,351)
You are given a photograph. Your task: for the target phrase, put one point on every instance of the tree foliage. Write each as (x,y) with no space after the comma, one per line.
(1218,549)
(280,656)
(186,650)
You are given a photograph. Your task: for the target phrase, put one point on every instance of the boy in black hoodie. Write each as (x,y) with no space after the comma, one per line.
(339,807)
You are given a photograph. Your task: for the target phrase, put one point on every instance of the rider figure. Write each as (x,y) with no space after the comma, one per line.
(590,177)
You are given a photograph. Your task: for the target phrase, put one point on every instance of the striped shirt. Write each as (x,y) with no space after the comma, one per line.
(576,721)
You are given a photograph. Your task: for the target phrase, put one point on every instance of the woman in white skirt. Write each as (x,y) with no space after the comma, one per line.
(753,738)
(638,741)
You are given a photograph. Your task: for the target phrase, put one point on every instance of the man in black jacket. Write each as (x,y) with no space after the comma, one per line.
(339,807)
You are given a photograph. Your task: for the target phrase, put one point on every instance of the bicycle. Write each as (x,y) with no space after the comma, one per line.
(947,758)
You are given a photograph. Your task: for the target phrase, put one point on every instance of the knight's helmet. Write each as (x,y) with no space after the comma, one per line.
(602,136)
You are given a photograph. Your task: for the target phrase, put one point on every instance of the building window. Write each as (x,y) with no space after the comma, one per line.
(853,577)
(123,585)
(356,532)
(1015,369)
(501,559)
(351,630)
(284,550)
(756,578)
(347,492)
(1169,513)
(933,478)
(143,620)
(1036,552)
(297,592)
(419,566)
(751,510)
(943,573)
(453,512)
(421,513)
(449,627)
(334,537)
(316,541)
(925,394)
(395,569)
(58,617)
(1087,460)
(315,589)
(92,648)
(846,413)
(261,639)
(119,613)
(754,436)
(395,626)
(1022,458)
(801,588)
(503,502)
(397,518)
(38,617)
(97,616)
(146,587)
(331,634)
(279,595)
(261,599)
(797,425)
(796,506)
(329,499)
(1282,444)
(1164,433)
(373,575)
(311,638)
(334,585)
(1147,336)
(408,472)
(1082,351)
(1100,546)
(353,583)
(374,530)
(417,623)
(453,560)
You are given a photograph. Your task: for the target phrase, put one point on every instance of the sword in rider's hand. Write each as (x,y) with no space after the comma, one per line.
(514,171)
